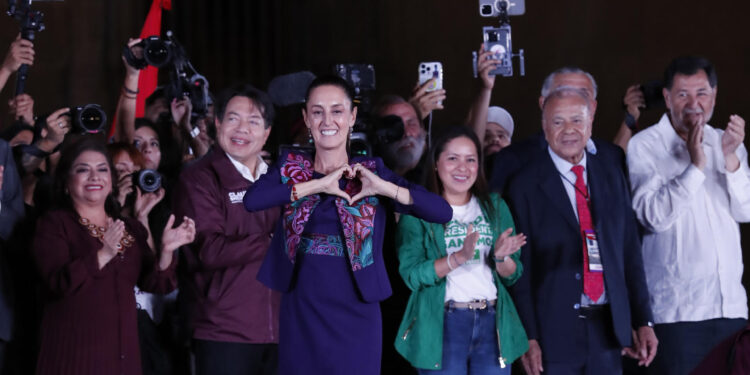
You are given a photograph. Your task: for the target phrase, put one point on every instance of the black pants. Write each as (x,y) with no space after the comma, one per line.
(683,345)
(230,358)
(596,338)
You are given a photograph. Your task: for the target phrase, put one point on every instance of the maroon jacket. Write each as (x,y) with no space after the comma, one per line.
(89,324)
(227,302)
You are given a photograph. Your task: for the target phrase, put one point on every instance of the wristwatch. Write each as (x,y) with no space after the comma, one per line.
(631,122)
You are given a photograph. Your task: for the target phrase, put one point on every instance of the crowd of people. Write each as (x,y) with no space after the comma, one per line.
(451,251)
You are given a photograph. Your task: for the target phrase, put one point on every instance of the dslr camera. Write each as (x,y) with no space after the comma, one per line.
(184,80)
(152,50)
(148,180)
(88,119)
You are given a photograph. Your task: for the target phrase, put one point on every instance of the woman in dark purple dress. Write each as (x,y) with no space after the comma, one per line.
(89,260)
(326,255)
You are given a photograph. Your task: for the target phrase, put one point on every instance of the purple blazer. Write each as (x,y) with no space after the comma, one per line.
(277,271)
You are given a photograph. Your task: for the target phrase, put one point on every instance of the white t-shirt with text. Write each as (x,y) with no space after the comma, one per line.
(473,279)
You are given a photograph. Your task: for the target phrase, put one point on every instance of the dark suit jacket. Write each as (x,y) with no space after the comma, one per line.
(507,162)
(549,292)
(11,211)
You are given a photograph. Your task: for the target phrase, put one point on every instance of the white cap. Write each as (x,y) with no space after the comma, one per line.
(501,117)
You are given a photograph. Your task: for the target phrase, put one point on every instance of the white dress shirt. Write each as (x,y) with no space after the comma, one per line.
(691,246)
(260,168)
(568,177)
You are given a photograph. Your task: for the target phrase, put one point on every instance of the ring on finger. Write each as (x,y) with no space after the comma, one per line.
(61,124)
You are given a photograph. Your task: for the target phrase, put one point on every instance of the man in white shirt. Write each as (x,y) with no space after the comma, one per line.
(691,187)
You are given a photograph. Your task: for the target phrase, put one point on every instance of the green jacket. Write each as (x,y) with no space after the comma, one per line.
(420,336)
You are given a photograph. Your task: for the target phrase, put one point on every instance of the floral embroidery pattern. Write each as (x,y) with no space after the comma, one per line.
(322,244)
(357,220)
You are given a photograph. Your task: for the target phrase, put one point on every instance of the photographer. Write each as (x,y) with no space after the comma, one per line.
(494,125)
(405,155)
(190,143)
(139,202)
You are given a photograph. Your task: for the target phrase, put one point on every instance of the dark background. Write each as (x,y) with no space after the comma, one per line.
(619,42)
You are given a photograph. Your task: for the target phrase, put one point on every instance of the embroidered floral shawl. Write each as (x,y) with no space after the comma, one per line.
(357,220)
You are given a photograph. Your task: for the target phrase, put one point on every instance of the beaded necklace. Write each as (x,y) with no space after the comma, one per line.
(126,241)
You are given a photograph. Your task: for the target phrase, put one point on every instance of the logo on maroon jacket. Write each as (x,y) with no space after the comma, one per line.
(236,197)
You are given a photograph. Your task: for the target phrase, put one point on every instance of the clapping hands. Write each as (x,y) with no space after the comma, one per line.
(173,238)
(507,244)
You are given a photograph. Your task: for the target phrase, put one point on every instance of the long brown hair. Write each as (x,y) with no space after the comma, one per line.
(480,189)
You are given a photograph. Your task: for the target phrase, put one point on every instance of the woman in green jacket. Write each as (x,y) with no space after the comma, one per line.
(460,318)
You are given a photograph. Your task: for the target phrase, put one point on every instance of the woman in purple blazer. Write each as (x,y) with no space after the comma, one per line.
(326,255)
(90,259)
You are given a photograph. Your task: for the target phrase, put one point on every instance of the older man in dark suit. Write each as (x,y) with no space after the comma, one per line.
(583,293)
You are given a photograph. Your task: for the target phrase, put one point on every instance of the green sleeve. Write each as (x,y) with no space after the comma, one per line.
(415,267)
(506,221)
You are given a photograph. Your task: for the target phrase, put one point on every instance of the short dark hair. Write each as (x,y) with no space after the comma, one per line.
(331,80)
(71,150)
(480,189)
(258,97)
(689,65)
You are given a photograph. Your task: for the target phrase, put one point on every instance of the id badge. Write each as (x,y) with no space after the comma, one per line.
(592,249)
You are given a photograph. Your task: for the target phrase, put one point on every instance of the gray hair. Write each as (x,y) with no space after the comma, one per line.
(563,91)
(547,85)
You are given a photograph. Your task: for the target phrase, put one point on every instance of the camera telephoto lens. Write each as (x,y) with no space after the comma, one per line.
(157,53)
(89,119)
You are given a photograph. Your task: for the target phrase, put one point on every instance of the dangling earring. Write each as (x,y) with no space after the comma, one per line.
(310,139)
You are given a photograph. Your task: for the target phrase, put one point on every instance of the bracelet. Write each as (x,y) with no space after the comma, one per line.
(501,260)
(294,194)
(397,189)
(448,260)
(195,132)
(129,91)
(128,95)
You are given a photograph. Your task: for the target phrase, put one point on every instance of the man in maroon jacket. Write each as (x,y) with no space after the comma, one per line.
(233,316)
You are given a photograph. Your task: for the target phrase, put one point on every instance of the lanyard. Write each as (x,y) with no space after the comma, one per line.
(584,193)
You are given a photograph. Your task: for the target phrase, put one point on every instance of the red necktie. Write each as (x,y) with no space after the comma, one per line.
(593,282)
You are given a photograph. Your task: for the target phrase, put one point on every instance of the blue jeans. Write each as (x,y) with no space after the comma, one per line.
(470,343)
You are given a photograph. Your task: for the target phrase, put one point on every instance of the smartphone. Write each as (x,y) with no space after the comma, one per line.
(498,41)
(430,70)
